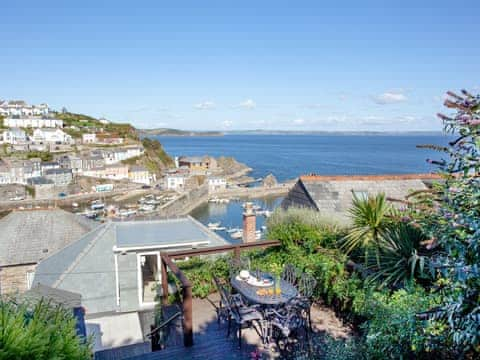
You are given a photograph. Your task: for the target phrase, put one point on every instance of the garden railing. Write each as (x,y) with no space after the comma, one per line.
(187,301)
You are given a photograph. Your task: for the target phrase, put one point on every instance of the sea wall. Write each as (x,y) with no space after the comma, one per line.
(252,192)
(185,203)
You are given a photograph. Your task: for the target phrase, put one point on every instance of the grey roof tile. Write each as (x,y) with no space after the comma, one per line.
(31,235)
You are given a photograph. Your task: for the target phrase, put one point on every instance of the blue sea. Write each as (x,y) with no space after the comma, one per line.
(289,156)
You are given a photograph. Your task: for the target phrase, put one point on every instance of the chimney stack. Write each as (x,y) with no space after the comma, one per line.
(249,224)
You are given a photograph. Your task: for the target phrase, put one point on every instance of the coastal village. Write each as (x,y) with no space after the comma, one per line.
(53,157)
(89,209)
(243,181)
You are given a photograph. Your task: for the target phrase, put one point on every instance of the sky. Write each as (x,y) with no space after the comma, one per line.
(231,65)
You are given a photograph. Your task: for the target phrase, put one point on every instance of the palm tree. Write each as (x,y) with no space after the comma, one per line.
(402,257)
(370,216)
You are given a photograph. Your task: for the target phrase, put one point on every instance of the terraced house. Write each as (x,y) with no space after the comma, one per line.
(28,236)
(117,273)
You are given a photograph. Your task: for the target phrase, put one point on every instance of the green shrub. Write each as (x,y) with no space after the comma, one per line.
(39,332)
(303,227)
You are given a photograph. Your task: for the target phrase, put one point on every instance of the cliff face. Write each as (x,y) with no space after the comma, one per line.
(230,166)
(155,159)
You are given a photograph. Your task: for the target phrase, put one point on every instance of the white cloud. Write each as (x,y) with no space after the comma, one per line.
(390,97)
(248,104)
(205,105)
(227,124)
(299,121)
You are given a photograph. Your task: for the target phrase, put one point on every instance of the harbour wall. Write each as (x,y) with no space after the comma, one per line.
(252,192)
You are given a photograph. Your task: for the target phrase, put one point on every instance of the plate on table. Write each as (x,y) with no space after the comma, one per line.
(264,282)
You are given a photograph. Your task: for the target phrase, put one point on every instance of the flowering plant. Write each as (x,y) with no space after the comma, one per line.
(455,224)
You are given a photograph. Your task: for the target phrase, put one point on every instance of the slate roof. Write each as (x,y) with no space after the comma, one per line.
(87,266)
(57,171)
(173,231)
(40,180)
(30,235)
(55,296)
(332,195)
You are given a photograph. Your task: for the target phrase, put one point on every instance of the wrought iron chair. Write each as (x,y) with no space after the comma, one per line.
(290,274)
(306,288)
(287,324)
(236,310)
(243,316)
(220,309)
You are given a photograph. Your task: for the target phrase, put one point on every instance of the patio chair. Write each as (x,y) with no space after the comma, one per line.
(243,315)
(306,288)
(290,274)
(226,297)
(287,324)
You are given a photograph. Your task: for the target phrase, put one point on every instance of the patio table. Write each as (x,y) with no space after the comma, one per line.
(249,292)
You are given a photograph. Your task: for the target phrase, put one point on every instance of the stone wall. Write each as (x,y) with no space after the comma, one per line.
(14,278)
(185,203)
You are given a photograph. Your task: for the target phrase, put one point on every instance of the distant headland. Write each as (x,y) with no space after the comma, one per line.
(176,132)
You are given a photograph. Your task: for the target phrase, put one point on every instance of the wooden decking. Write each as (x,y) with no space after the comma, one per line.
(210,341)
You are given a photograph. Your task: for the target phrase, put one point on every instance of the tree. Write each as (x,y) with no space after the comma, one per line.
(455,225)
(39,331)
(370,218)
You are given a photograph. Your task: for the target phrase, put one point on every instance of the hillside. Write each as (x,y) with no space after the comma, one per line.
(155,159)
(176,132)
(84,124)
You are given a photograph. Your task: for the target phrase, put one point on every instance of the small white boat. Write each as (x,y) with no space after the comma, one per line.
(89,214)
(213,225)
(237,235)
(97,206)
(127,213)
(232,230)
(219,228)
(147,208)
(264,228)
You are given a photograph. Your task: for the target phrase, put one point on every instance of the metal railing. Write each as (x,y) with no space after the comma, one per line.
(187,299)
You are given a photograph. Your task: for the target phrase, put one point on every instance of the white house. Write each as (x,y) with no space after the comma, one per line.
(31,122)
(55,136)
(216,184)
(14,136)
(5,176)
(89,138)
(21,108)
(49,165)
(117,155)
(140,175)
(20,171)
(134,151)
(175,182)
